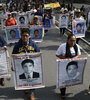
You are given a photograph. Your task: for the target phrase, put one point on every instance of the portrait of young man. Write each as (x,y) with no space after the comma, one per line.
(28,68)
(13,34)
(22,20)
(79,28)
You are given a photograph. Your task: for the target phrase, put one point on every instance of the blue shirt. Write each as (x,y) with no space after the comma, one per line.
(31,47)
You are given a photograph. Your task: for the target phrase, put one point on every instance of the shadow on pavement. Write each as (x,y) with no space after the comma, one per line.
(9,93)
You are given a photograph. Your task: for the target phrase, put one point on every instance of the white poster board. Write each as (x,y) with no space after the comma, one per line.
(4,70)
(63,20)
(22,20)
(79,28)
(28,72)
(12,33)
(70,71)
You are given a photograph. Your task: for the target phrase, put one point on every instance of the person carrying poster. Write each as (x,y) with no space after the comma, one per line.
(10,20)
(63,22)
(3,46)
(78,17)
(68,50)
(26,45)
(35,21)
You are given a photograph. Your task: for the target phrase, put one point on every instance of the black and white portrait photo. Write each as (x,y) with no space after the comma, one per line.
(29,71)
(71,73)
(63,21)
(28,68)
(22,20)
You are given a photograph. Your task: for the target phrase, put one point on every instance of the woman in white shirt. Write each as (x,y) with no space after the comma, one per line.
(68,50)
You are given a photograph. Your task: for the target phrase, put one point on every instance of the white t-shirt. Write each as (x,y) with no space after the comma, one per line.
(62,50)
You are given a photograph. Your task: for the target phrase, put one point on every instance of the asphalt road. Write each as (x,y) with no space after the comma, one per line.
(48,47)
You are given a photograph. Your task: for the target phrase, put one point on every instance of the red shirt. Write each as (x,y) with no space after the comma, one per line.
(11,22)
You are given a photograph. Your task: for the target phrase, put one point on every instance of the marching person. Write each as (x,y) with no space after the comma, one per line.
(26,45)
(10,20)
(35,21)
(3,46)
(68,50)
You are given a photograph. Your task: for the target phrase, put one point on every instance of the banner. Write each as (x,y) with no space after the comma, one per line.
(79,28)
(52,5)
(12,34)
(36,33)
(4,70)
(28,72)
(22,20)
(70,71)
(63,20)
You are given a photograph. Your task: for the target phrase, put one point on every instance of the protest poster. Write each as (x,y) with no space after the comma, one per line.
(4,70)
(36,33)
(47,23)
(12,34)
(28,72)
(63,20)
(22,20)
(3,24)
(79,28)
(70,71)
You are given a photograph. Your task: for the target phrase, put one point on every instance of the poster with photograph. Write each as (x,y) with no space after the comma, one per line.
(3,24)
(47,23)
(36,33)
(12,34)
(63,20)
(70,71)
(28,72)
(22,20)
(79,28)
(4,70)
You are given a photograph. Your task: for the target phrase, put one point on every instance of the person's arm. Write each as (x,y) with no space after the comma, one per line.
(60,56)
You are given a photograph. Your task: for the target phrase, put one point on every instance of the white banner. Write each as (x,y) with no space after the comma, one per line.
(70,71)
(28,72)
(4,70)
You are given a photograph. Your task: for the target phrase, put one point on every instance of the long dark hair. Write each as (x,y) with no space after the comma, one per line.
(68,53)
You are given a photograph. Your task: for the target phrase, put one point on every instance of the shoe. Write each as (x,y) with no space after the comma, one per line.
(2,82)
(26,91)
(32,97)
(63,96)
(89,90)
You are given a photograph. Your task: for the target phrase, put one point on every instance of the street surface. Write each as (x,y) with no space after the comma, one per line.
(48,47)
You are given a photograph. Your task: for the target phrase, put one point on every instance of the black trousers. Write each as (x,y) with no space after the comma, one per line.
(63,91)
(62,30)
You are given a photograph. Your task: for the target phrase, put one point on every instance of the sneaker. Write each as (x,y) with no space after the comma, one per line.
(63,96)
